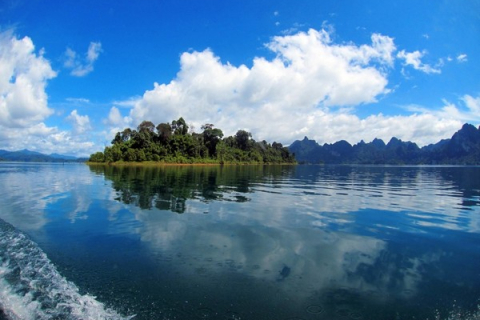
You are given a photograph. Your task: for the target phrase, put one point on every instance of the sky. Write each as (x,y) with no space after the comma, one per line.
(73,73)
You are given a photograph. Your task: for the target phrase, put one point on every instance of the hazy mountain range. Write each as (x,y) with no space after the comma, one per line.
(33,156)
(462,148)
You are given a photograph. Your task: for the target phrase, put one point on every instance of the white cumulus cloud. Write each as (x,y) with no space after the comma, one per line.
(414,59)
(466,110)
(23,78)
(81,66)
(24,74)
(47,140)
(277,98)
(462,58)
(473,104)
(116,122)
(80,123)
(310,88)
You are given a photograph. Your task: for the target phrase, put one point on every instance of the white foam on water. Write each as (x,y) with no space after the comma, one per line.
(31,288)
(458,314)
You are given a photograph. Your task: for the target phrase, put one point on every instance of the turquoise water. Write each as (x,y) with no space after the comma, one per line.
(239,242)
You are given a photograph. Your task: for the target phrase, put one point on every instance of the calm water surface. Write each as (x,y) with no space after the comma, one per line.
(239,242)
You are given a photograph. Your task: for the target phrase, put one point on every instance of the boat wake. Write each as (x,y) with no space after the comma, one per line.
(32,288)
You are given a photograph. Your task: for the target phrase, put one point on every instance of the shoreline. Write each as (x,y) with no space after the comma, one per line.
(199,164)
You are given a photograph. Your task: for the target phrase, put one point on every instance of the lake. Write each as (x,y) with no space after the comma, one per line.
(239,242)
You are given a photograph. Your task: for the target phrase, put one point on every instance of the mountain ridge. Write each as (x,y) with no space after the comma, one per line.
(26,155)
(462,148)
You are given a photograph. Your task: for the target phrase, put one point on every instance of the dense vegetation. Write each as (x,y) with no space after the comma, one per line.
(173,143)
(462,148)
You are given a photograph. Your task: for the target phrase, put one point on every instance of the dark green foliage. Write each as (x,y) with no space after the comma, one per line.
(462,148)
(171,143)
(242,138)
(179,127)
(211,137)
(97,157)
(164,132)
(146,126)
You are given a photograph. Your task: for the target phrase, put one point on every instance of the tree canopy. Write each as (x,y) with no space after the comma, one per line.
(173,143)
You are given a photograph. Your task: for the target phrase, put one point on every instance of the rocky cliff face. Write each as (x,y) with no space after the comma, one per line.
(464,142)
(462,148)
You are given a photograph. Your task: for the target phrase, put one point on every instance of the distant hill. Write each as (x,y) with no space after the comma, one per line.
(462,148)
(63,157)
(33,156)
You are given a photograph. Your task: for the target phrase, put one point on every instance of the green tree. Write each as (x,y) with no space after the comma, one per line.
(211,137)
(126,134)
(164,131)
(130,155)
(113,153)
(173,143)
(242,139)
(179,127)
(140,155)
(97,157)
(117,139)
(146,126)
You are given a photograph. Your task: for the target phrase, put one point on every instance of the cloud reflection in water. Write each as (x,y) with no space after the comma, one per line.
(317,229)
(322,238)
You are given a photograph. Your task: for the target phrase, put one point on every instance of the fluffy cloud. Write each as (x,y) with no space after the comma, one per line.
(424,128)
(414,59)
(80,123)
(116,122)
(42,138)
(466,111)
(23,78)
(309,76)
(82,66)
(114,117)
(473,104)
(307,89)
(23,102)
(462,58)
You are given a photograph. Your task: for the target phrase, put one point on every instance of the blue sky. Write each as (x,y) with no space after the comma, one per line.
(73,73)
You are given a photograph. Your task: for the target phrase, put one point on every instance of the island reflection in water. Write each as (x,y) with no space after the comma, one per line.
(304,242)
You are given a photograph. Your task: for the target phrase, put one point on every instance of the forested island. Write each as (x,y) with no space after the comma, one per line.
(173,143)
(463,148)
